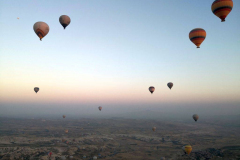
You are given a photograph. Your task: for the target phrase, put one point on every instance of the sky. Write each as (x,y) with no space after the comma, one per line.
(111,53)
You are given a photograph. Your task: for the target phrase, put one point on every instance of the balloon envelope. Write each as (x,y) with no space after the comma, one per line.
(100,108)
(154,129)
(187,149)
(195,117)
(151,89)
(64,116)
(221,8)
(64,20)
(41,29)
(170,85)
(36,89)
(197,36)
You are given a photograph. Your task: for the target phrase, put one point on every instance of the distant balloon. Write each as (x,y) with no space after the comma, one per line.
(170,85)
(195,117)
(41,29)
(50,154)
(154,129)
(64,20)
(17,17)
(64,116)
(66,131)
(221,8)
(151,89)
(187,149)
(36,89)
(100,108)
(197,36)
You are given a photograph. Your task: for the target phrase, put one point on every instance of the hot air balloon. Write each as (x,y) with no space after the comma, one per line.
(36,89)
(197,36)
(41,29)
(64,20)
(100,108)
(50,154)
(151,89)
(187,149)
(222,8)
(170,85)
(64,116)
(195,117)
(17,17)
(154,129)
(66,131)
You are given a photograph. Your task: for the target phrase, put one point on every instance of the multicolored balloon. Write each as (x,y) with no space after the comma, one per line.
(221,8)
(41,29)
(197,36)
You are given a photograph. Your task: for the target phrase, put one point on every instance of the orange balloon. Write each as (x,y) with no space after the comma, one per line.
(221,8)
(154,129)
(197,36)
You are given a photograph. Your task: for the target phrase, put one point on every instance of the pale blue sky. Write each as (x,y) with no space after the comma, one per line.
(113,50)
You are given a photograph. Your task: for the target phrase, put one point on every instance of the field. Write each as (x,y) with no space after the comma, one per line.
(118,139)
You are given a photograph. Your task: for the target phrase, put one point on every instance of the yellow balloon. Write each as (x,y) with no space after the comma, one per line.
(187,149)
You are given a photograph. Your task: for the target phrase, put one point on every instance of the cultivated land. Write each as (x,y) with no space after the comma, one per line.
(118,139)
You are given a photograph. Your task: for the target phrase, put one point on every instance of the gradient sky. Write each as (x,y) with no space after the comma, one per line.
(112,51)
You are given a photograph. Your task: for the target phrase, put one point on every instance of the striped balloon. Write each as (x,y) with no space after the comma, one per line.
(222,8)
(197,36)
